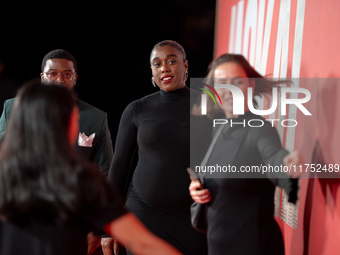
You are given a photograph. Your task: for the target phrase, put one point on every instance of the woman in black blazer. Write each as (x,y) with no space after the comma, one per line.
(240,206)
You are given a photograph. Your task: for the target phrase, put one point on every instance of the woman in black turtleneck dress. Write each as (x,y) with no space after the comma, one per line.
(157,128)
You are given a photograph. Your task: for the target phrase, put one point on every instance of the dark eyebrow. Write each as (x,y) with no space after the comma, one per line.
(154,58)
(170,55)
(68,70)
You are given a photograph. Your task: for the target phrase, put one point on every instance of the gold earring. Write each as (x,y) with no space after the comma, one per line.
(153,82)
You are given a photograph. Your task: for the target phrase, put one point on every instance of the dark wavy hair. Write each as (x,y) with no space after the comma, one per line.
(40,174)
(263,84)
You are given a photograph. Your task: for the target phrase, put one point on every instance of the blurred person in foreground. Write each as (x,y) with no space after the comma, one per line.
(240,207)
(49,198)
(94,139)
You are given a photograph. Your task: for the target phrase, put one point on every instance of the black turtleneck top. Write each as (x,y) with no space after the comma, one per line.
(157,127)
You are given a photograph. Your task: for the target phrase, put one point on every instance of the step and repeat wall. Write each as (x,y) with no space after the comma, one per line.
(297,40)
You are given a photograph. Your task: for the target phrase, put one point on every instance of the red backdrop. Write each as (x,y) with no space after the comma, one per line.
(297,39)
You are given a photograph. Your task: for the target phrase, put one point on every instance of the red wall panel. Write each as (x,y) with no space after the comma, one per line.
(297,39)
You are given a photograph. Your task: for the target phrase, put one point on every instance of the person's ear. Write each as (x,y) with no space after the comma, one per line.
(42,76)
(186,67)
(75,79)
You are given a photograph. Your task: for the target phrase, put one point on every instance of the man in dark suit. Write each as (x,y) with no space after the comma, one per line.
(94,140)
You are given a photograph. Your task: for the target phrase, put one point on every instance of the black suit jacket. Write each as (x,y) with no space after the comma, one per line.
(93,122)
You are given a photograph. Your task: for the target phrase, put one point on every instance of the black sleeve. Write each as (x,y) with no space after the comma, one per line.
(269,145)
(126,145)
(272,153)
(100,214)
(100,202)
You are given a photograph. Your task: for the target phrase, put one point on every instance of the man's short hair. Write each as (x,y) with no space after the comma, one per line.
(59,53)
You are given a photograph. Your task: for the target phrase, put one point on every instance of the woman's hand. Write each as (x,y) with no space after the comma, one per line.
(107,244)
(199,194)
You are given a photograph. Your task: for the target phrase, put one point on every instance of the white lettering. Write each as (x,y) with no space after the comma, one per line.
(298,101)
